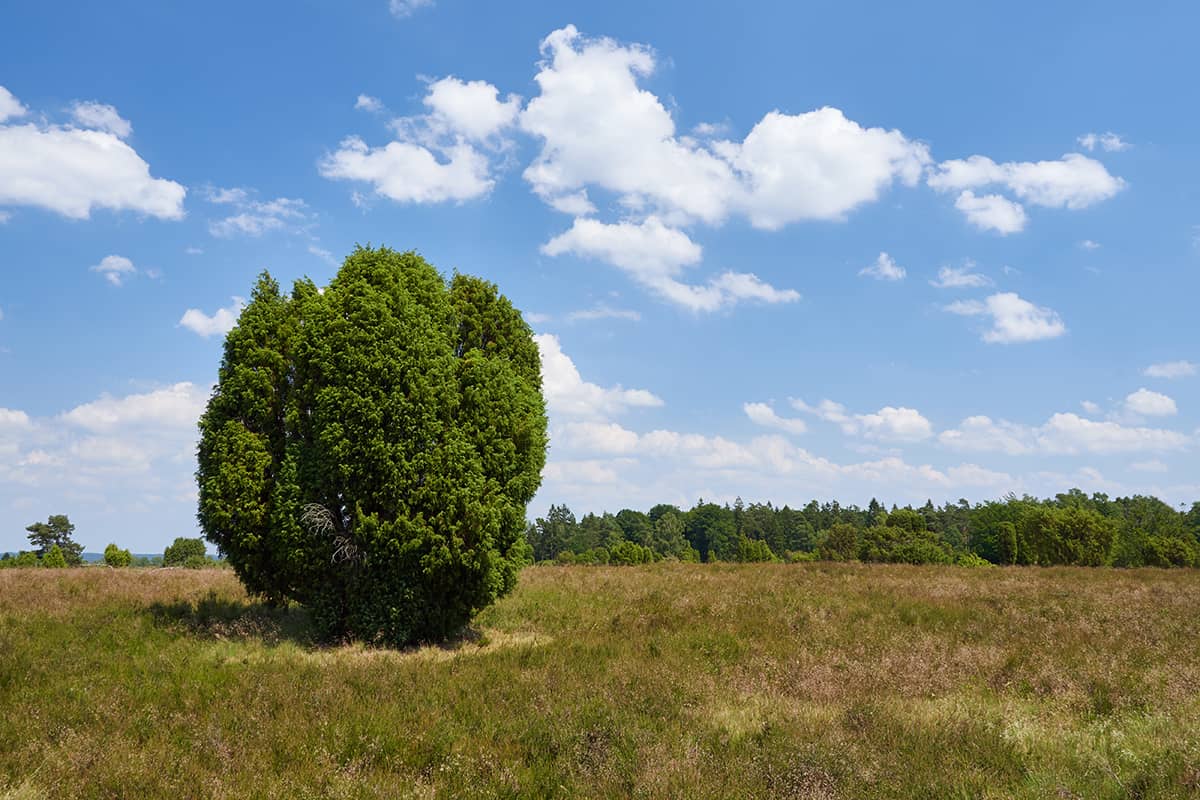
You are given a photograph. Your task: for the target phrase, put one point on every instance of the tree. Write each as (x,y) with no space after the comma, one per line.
(116,557)
(56,530)
(840,543)
(369,450)
(54,558)
(552,535)
(182,551)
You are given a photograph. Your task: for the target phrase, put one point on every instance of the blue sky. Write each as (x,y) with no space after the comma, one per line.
(770,250)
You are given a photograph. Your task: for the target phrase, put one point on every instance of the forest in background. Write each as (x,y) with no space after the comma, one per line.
(1070,528)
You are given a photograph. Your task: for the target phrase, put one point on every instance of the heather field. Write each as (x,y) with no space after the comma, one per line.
(666,680)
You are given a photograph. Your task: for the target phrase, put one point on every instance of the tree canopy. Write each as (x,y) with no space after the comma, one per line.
(370,449)
(57,530)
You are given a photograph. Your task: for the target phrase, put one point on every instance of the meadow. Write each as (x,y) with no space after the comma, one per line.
(816,680)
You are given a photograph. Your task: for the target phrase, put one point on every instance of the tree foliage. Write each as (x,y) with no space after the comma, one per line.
(116,557)
(369,450)
(184,552)
(57,530)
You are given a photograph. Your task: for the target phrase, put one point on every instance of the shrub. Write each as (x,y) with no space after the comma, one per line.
(54,558)
(116,557)
(182,551)
(370,450)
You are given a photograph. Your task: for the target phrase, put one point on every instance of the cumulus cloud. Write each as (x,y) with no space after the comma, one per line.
(1074,181)
(960,278)
(570,397)
(440,156)
(115,269)
(1170,370)
(73,170)
(1063,433)
(103,117)
(600,128)
(654,255)
(1109,142)
(1150,404)
(884,269)
(991,212)
(1013,318)
(10,106)
(472,109)
(762,414)
(889,424)
(175,406)
(219,323)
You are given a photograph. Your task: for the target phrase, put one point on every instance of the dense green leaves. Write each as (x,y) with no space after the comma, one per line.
(370,449)
(116,557)
(56,531)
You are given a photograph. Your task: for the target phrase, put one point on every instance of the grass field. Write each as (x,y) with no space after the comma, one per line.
(671,680)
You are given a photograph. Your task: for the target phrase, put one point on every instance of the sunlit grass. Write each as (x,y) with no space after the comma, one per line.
(670,680)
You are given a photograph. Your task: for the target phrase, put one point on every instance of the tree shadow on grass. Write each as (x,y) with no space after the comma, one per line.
(220,618)
(223,619)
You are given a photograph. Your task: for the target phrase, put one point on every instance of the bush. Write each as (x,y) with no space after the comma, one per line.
(370,450)
(116,557)
(839,543)
(54,558)
(969,559)
(184,550)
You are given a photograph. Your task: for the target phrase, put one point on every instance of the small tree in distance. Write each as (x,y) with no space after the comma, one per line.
(116,557)
(370,450)
(56,530)
(54,558)
(184,552)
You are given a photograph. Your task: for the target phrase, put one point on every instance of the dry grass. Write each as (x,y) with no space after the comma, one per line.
(804,681)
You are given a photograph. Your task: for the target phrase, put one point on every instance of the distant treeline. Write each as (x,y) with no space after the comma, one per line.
(1070,528)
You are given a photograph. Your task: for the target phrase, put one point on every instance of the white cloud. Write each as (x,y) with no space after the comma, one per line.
(441,156)
(895,425)
(598,437)
(470,108)
(194,251)
(654,255)
(991,212)
(10,106)
(13,418)
(1152,465)
(1013,318)
(115,269)
(254,217)
(1109,142)
(884,269)
(1063,433)
(103,117)
(763,414)
(981,434)
(1089,406)
(410,173)
(960,278)
(1170,369)
(818,165)
(1088,244)
(176,406)
(570,397)
(366,102)
(220,322)
(603,312)
(889,424)
(1069,433)
(1150,404)
(1074,181)
(406,8)
(71,171)
(600,128)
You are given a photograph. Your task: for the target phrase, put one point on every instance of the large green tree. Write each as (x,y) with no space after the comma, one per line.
(56,530)
(369,450)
